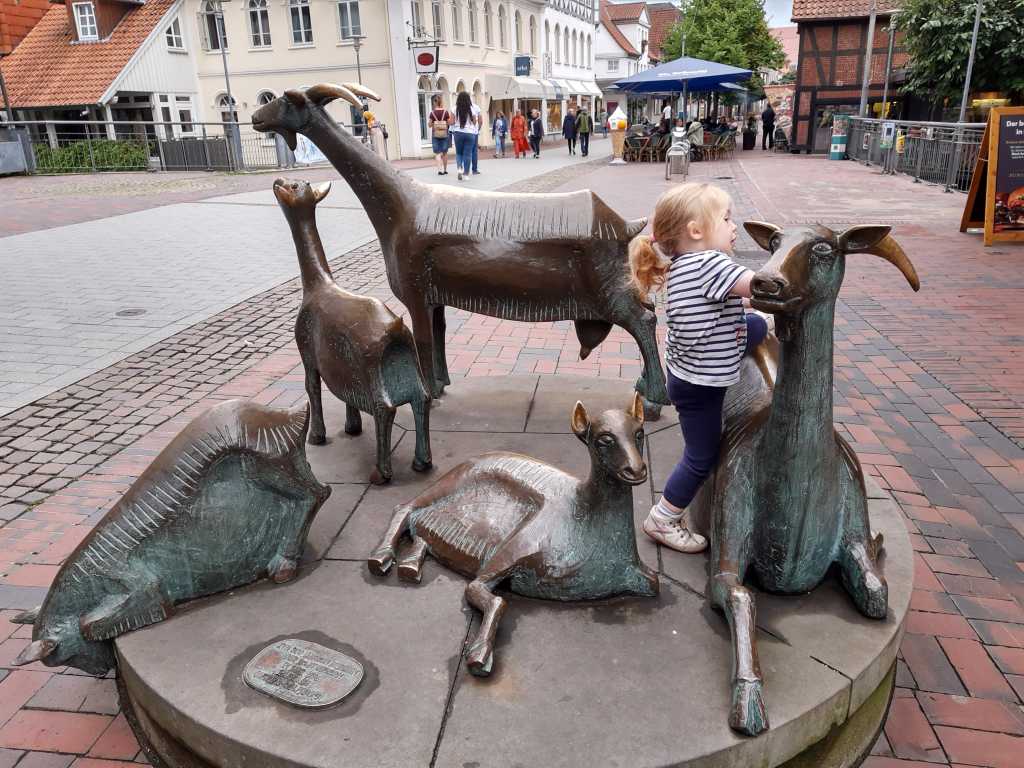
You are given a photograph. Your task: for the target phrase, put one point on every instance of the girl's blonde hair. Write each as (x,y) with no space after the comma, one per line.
(694,201)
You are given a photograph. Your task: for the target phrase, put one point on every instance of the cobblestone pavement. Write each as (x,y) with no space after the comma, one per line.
(928,391)
(80,297)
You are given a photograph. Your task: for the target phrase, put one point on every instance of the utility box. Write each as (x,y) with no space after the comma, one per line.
(15,149)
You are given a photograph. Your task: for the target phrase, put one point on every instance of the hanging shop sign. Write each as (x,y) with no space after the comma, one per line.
(522,66)
(425,58)
(995,200)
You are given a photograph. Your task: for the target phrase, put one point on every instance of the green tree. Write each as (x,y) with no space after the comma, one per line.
(733,32)
(938,41)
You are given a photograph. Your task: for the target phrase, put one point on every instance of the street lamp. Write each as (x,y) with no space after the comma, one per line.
(357,41)
(222,44)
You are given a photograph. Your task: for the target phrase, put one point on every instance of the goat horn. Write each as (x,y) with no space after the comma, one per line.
(361,90)
(325,92)
(887,248)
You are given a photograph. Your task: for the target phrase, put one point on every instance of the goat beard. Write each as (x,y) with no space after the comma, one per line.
(784,326)
(288,136)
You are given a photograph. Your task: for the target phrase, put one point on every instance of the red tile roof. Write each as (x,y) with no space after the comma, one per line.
(620,39)
(807,10)
(789,39)
(17,17)
(48,70)
(663,17)
(624,11)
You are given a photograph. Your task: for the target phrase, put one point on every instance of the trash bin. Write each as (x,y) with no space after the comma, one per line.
(749,139)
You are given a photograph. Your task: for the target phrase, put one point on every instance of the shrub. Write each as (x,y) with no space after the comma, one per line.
(132,155)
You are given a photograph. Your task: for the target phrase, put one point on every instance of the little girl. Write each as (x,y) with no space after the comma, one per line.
(709,331)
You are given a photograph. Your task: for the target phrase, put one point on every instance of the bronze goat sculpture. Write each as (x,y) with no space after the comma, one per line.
(359,348)
(229,500)
(530,257)
(787,500)
(507,517)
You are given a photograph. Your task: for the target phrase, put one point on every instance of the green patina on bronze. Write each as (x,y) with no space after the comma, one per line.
(529,257)
(228,501)
(359,348)
(505,517)
(787,500)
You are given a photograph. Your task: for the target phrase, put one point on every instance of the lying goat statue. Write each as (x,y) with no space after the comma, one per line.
(787,499)
(530,257)
(507,517)
(360,348)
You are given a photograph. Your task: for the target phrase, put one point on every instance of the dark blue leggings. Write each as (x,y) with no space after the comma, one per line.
(700,417)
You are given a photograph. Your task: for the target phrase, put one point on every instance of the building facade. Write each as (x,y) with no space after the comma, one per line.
(623,50)
(833,45)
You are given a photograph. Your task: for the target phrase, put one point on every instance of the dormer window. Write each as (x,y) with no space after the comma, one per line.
(85,21)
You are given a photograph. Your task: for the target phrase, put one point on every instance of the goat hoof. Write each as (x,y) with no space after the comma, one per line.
(410,571)
(379,478)
(421,466)
(652,411)
(282,569)
(380,561)
(317,438)
(748,715)
(873,599)
(480,660)
(356,430)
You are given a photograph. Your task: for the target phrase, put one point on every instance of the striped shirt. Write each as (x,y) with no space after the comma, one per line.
(707,329)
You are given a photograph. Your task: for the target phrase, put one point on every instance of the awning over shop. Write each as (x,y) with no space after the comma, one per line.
(508,87)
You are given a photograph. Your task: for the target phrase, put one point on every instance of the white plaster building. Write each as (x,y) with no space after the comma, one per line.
(623,50)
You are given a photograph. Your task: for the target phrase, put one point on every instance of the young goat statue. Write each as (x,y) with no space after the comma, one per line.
(359,347)
(504,516)
(787,499)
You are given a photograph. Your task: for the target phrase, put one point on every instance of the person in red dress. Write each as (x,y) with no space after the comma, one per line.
(518,130)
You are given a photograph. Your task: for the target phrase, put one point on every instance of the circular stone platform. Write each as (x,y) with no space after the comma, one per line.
(627,683)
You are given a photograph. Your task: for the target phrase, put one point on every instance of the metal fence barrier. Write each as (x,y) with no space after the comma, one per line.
(938,153)
(82,146)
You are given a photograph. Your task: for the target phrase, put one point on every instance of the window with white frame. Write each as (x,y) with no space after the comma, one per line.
(175,41)
(85,21)
(590,54)
(259,23)
(565,53)
(472,21)
(456,20)
(558,44)
(488,26)
(518,22)
(211,23)
(348,17)
(183,105)
(227,109)
(262,99)
(417,18)
(302,22)
(575,60)
(437,19)
(501,27)
(613,65)
(533,35)
(547,39)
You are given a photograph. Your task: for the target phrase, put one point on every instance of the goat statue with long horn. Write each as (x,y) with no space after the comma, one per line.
(530,257)
(787,500)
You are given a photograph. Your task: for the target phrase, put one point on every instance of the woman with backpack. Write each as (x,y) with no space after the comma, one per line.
(440,120)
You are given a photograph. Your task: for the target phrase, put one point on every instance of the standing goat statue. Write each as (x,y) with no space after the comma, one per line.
(529,257)
(787,500)
(507,517)
(360,348)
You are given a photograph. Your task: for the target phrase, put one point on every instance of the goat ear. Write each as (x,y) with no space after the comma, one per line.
(320,190)
(37,650)
(876,240)
(636,408)
(361,90)
(580,422)
(327,92)
(763,233)
(298,98)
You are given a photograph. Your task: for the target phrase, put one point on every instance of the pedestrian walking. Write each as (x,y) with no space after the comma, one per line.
(768,128)
(569,130)
(440,120)
(584,127)
(465,130)
(499,130)
(536,132)
(476,144)
(603,120)
(519,131)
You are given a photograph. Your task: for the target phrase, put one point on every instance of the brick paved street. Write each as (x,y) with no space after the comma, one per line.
(929,392)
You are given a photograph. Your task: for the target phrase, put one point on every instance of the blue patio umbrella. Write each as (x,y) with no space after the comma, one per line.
(683,74)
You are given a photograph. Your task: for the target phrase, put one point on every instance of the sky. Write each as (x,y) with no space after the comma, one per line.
(779,12)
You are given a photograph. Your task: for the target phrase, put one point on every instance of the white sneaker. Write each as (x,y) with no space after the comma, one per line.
(674,535)
(460,175)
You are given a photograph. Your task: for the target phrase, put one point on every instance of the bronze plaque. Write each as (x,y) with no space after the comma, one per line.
(302,673)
